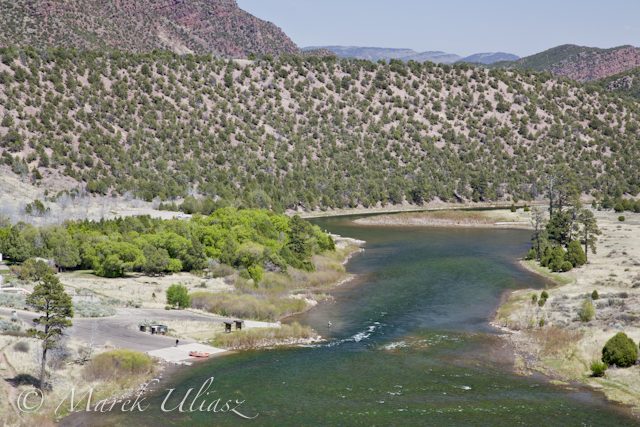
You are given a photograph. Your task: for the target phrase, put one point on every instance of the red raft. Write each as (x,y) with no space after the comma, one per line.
(198,354)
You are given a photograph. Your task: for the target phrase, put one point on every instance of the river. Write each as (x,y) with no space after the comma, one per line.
(409,345)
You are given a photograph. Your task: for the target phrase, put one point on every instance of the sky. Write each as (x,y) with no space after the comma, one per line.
(463,27)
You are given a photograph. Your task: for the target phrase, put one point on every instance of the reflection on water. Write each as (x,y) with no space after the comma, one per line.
(409,345)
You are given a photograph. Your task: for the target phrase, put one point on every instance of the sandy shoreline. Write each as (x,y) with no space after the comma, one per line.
(407,208)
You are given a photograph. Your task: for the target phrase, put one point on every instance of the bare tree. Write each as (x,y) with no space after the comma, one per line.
(64,201)
(93,340)
(539,235)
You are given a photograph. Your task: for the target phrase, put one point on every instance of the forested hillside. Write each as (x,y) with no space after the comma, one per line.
(217,27)
(579,63)
(305,132)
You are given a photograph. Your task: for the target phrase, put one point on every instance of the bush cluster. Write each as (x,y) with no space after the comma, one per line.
(559,260)
(92,309)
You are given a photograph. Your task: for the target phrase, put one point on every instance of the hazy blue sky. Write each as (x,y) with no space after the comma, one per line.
(463,27)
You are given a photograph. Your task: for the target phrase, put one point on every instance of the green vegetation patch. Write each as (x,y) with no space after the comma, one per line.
(117,364)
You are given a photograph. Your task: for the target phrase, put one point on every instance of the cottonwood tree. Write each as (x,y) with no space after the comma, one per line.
(589,231)
(49,297)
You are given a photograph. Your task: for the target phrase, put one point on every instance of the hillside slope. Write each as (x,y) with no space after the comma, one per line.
(579,63)
(626,83)
(305,132)
(216,27)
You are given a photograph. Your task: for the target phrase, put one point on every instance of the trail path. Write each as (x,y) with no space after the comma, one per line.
(13,391)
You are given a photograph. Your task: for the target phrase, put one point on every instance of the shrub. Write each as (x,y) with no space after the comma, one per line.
(566,266)
(621,218)
(618,208)
(178,294)
(22,346)
(597,368)
(531,254)
(513,208)
(534,299)
(13,300)
(526,208)
(9,326)
(594,295)
(543,298)
(222,271)
(244,274)
(620,350)
(541,323)
(586,311)
(117,364)
(91,309)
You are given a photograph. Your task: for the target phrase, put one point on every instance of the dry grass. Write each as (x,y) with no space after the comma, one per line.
(140,288)
(265,337)
(247,307)
(555,341)
(69,375)
(23,362)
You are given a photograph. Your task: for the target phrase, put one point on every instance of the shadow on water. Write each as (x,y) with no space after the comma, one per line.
(409,345)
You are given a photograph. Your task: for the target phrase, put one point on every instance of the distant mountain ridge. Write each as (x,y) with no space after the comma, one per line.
(216,27)
(579,63)
(490,57)
(376,53)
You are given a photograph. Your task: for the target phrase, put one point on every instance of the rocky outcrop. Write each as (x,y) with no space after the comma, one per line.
(622,83)
(217,27)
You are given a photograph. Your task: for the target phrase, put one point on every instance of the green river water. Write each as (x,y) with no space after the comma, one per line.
(409,345)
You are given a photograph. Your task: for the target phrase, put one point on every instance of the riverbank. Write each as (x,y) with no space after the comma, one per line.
(501,218)
(405,208)
(553,339)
